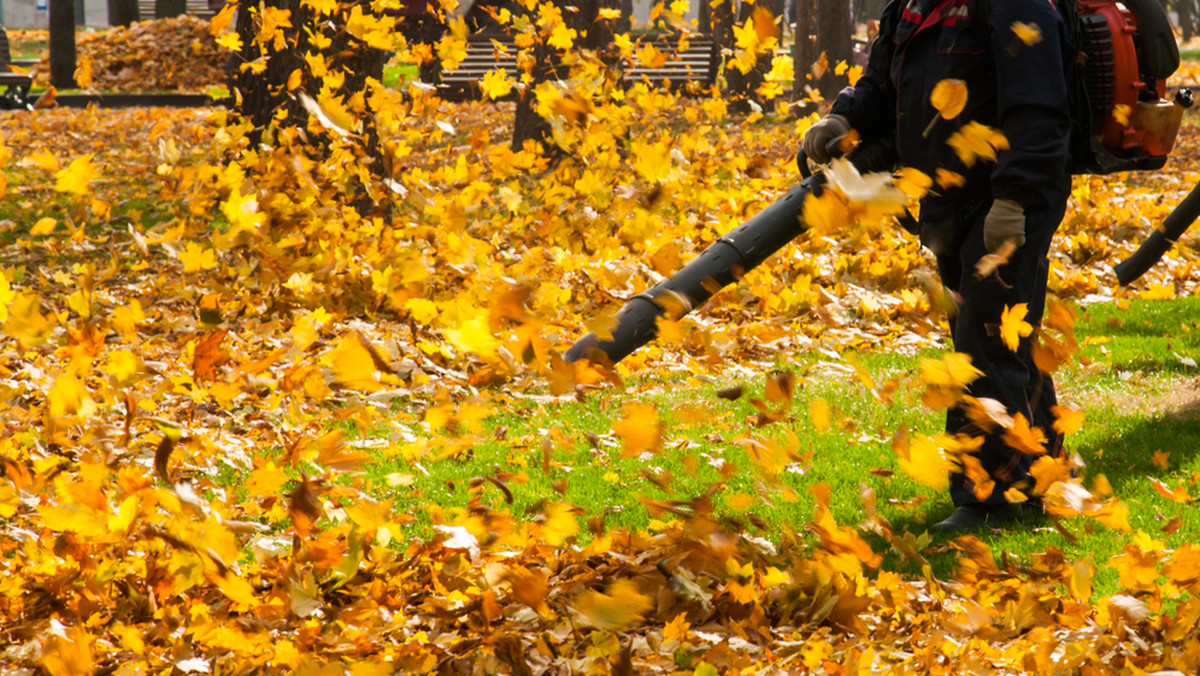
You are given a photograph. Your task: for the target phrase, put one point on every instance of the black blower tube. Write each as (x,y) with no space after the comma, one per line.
(722,263)
(1160,241)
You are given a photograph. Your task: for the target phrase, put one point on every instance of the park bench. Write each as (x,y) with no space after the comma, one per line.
(15,85)
(690,71)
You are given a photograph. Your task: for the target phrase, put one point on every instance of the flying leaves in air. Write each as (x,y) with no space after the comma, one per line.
(948,98)
(1028,33)
(975,141)
(1013,326)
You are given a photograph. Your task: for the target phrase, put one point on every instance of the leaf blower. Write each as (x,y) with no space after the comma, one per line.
(720,264)
(1121,121)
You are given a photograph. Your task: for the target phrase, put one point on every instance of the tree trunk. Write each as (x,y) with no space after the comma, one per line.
(1187,21)
(824,34)
(259,95)
(167,9)
(123,12)
(743,87)
(62,44)
(592,34)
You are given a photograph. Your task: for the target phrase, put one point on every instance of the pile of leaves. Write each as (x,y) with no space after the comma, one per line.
(196,327)
(159,55)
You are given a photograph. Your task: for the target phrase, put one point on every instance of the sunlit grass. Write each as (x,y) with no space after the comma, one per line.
(1135,355)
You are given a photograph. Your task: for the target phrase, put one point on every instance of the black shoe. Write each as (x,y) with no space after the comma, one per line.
(975,517)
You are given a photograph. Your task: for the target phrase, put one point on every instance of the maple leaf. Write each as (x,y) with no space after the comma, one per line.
(1067,421)
(495,84)
(562,37)
(77,177)
(1013,326)
(652,161)
(196,258)
(976,140)
(1026,439)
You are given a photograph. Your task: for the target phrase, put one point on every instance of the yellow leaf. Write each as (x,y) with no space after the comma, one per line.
(43,159)
(77,177)
(222,19)
(913,182)
(1112,513)
(1015,495)
(236,589)
(765,24)
(1029,33)
(1156,291)
(826,214)
(1067,420)
(677,629)
(6,296)
(230,41)
(1161,460)
(474,335)
(925,461)
(651,57)
(621,607)
(1013,326)
(125,319)
(123,366)
(68,396)
(1079,579)
(495,84)
(25,322)
(638,429)
(295,79)
(354,366)
(609,13)
(422,310)
(651,160)
(952,370)
(69,653)
(83,71)
(1178,494)
(1026,439)
(949,97)
(1120,113)
(44,226)
(819,409)
(560,523)
(1047,471)
(976,141)
(950,179)
(196,258)
(562,37)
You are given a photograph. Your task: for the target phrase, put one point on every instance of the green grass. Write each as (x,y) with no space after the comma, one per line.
(1135,360)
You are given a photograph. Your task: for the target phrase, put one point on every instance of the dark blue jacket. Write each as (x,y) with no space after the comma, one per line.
(1016,87)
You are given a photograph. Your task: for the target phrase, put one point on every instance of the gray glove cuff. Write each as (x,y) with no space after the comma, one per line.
(1005,221)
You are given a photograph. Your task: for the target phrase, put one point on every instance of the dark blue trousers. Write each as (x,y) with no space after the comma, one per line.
(1009,377)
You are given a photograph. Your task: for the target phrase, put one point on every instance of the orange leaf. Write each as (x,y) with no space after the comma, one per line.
(638,429)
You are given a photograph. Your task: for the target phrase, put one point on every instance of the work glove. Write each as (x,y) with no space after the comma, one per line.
(819,136)
(1005,221)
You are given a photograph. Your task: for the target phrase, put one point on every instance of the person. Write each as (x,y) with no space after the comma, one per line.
(1012,62)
